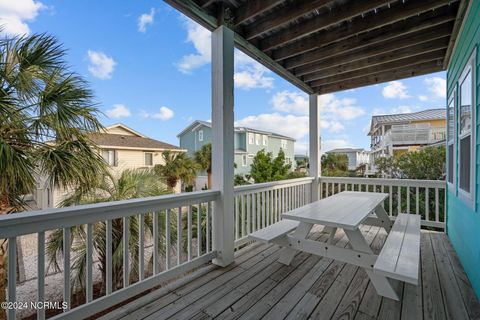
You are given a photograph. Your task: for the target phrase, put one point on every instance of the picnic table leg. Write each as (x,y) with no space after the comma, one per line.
(382,215)
(381,283)
(332,235)
(302,231)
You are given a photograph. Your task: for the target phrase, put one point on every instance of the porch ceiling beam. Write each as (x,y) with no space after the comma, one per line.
(462,11)
(192,10)
(390,65)
(410,25)
(205,3)
(280,17)
(253,8)
(323,21)
(391,75)
(377,49)
(427,47)
(401,12)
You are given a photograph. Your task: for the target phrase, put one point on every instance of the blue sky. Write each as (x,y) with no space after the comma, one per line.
(149,67)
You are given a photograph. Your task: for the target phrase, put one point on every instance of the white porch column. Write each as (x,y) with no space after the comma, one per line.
(314,145)
(222,144)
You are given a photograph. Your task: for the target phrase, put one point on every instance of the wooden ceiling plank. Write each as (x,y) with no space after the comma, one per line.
(379,48)
(429,46)
(333,17)
(386,17)
(419,70)
(413,24)
(282,16)
(205,3)
(253,8)
(390,65)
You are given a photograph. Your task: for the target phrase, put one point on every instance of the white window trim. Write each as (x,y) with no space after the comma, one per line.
(452,140)
(265,140)
(258,137)
(251,138)
(145,159)
(244,160)
(200,135)
(468,197)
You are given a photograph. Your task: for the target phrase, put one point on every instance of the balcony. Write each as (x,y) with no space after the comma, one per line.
(176,279)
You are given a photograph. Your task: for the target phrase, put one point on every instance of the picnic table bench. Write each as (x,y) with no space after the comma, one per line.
(399,257)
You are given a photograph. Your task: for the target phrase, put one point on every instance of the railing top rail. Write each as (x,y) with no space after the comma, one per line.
(384,181)
(266,185)
(42,220)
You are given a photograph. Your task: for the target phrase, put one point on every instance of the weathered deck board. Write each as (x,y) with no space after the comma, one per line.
(258,286)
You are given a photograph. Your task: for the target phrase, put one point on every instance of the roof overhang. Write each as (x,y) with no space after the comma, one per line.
(324,46)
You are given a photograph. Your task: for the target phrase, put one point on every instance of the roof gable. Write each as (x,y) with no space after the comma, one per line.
(121,129)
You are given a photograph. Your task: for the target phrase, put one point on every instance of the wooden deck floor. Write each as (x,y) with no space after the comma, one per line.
(257,286)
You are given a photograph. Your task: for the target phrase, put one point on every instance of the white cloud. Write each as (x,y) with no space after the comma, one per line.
(394,110)
(395,89)
(146,19)
(422,97)
(437,86)
(14,15)
(164,114)
(101,65)
(118,111)
(249,74)
(290,102)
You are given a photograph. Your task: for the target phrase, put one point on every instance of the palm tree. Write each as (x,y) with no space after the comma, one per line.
(203,158)
(129,185)
(176,167)
(47,113)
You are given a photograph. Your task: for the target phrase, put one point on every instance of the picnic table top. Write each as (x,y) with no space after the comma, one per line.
(346,210)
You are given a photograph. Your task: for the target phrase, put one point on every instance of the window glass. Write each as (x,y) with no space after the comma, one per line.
(200,135)
(257,139)
(450,163)
(465,168)
(451,120)
(148,159)
(251,138)
(466,105)
(265,140)
(109,157)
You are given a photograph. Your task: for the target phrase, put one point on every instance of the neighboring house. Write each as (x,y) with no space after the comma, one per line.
(395,134)
(248,142)
(463,101)
(356,157)
(122,148)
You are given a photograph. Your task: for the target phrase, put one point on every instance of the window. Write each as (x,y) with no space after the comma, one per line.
(265,140)
(451,139)
(284,144)
(288,160)
(148,159)
(257,139)
(244,160)
(110,157)
(250,156)
(200,135)
(466,134)
(251,138)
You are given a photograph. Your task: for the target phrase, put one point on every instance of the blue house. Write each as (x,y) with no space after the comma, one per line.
(247,142)
(463,196)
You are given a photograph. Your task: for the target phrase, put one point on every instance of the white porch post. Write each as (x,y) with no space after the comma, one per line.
(222,144)
(314,145)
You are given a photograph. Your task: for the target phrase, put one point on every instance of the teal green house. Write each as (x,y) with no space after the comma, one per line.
(247,141)
(463,158)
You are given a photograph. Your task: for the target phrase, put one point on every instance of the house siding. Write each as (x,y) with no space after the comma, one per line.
(463,221)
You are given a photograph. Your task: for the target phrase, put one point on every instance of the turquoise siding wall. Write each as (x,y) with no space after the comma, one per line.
(463,222)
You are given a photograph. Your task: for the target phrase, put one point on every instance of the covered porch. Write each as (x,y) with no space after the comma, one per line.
(194,259)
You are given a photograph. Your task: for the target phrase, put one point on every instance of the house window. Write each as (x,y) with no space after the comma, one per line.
(200,135)
(265,140)
(257,139)
(466,140)
(148,159)
(288,160)
(110,157)
(244,160)
(251,138)
(284,144)
(250,156)
(451,140)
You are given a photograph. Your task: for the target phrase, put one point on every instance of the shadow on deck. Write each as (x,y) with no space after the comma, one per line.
(257,286)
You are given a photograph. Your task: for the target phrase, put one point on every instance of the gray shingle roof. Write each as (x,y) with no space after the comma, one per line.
(344,150)
(430,114)
(120,140)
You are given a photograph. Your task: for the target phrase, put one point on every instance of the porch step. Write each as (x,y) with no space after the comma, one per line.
(400,255)
(275,231)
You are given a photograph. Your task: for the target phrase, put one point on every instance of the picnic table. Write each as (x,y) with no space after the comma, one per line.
(400,255)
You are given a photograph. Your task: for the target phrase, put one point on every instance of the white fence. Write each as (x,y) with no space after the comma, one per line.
(178,228)
(423,197)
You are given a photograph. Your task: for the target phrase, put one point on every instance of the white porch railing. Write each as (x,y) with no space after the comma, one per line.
(260,205)
(423,197)
(180,239)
